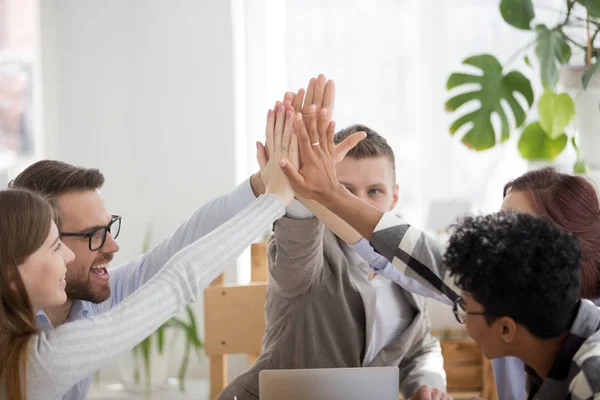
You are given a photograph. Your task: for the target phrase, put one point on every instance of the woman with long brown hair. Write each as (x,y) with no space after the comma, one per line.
(31,256)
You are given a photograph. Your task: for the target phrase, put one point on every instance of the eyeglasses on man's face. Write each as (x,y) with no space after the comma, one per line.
(97,237)
(460,312)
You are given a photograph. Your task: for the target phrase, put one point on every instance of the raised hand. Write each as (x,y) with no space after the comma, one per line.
(320,100)
(319,93)
(316,178)
(279,145)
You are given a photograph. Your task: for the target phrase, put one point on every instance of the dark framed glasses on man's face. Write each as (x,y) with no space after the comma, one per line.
(460,313)
(97,237)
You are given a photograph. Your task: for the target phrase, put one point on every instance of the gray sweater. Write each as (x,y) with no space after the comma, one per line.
(319,306)
(62,357)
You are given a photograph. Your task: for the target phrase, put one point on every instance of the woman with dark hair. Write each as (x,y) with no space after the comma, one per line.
(569,202)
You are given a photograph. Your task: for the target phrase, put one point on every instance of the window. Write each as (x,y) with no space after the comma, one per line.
(390,60)
(17,139)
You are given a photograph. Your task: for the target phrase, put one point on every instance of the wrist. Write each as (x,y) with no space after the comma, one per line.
(333,196)
(286,197)
(257,185)
(297,210)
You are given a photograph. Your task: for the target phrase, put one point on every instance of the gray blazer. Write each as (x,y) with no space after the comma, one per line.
(319,310)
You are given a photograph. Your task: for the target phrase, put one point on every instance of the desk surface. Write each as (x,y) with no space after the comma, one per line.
(195,389)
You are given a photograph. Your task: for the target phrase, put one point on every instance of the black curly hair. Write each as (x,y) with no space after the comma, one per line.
(518,266)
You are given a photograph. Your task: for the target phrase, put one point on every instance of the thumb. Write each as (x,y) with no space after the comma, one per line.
(294,177)
(340,151)
(261,155)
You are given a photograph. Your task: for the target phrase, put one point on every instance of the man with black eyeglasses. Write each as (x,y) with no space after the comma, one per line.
(520,279)
(89,230)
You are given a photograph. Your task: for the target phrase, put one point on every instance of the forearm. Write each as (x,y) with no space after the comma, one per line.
(403,277)
(361,216)
(334,223)
(295,254)
(129,277)
(409,249)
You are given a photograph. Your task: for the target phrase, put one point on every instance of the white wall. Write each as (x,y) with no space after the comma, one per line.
(142,90)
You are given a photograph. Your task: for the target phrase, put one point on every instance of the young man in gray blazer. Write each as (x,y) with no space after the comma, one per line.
(325,308)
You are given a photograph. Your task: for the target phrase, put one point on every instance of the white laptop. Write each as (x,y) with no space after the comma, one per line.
(379,383)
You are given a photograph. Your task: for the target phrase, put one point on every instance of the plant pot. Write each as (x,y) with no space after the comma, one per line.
(586,122)
(162,365)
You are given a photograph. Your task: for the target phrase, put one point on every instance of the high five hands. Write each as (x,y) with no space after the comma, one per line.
(303,144)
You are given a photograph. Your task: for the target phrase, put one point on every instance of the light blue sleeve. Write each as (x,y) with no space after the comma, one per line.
(383,267)
(127,278)
(509,373)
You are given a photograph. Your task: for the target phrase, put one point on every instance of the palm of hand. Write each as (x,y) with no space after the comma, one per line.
(279,145)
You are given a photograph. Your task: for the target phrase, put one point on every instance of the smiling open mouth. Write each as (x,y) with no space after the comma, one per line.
(100,272)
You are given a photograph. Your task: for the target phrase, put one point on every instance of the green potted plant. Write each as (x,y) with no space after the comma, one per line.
(147,367)
(566,60)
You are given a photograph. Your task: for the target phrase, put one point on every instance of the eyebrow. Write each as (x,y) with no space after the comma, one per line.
(92,228)
(371,186)
(379,184)
(95,227)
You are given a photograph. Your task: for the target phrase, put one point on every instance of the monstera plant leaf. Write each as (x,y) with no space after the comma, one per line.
(518,13)
(493,88)
(534,144)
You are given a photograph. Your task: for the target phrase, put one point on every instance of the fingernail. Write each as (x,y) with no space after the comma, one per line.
(280,109)
(282,163)
(313,109)
(270,113)
(257,145)
(324,112)
(299,116)
(288,115)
